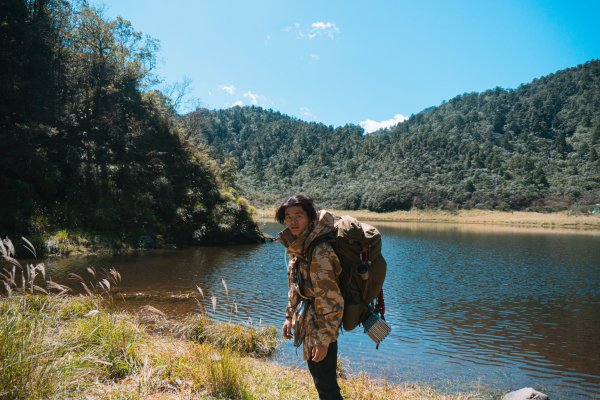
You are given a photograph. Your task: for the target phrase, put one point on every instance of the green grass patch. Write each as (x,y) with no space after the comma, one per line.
(245,340)
(50,345)
(226,376)
(106,341)
(28,369)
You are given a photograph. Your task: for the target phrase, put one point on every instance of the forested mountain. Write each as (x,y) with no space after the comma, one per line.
(531,148)
(87,147)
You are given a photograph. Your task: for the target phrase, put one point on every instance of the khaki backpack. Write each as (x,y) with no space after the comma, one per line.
(358,246)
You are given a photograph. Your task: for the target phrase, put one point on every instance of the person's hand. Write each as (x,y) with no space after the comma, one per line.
(319,353)
(286,329)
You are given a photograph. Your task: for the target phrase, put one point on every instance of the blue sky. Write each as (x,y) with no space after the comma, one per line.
(338,62)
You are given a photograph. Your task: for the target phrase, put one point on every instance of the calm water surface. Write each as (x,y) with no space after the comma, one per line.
(469,306)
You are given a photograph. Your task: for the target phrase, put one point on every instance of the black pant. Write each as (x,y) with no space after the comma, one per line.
(324,374)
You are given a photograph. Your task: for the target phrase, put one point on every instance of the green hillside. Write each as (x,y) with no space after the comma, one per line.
(532,148)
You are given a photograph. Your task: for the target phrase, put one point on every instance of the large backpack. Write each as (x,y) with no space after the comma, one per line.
(358,246)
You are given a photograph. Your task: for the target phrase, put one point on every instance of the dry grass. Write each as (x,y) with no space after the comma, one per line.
(272,381)
(562,220)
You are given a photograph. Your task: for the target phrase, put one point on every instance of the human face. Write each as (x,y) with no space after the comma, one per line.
(296,219)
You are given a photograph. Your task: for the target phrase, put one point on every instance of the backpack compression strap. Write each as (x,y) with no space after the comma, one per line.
(381,304)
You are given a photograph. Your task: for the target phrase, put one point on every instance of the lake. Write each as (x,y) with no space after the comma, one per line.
(470,306)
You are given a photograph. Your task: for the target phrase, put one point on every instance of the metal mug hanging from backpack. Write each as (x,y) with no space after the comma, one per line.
(365,265)
(363,271)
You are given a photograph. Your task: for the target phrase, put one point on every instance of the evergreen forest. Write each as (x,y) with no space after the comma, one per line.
(534,148)
(89,148)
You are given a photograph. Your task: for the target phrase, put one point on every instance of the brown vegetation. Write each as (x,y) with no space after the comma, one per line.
(563,220)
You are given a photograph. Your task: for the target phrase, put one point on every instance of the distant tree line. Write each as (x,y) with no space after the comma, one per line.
(86,144)
(532,148)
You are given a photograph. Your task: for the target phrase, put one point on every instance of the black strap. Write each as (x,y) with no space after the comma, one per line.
(328,237)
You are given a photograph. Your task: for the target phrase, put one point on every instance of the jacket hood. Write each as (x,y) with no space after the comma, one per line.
(297,245)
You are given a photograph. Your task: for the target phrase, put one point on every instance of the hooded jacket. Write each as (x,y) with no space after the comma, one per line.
(317,282)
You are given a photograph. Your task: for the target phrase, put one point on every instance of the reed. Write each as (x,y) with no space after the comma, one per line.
(27,368)
(17,278)
(31,365)
(99,285)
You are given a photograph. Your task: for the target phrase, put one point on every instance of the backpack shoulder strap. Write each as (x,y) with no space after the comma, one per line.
(328,237)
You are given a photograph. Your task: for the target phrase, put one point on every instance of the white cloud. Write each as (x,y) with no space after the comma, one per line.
(253,97)
(318,28)
(371,126)
(306,112)
(323,28)
(314,57)
(242,99)
(229,89)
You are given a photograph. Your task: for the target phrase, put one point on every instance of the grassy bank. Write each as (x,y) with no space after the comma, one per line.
(76,347)
(58,346)
(563,220)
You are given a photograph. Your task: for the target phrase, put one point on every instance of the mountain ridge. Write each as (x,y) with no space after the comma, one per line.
(531,148)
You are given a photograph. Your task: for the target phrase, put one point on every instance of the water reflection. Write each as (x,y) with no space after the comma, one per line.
(505,308)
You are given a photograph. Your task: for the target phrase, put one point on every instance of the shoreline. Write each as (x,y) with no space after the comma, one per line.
(524,219)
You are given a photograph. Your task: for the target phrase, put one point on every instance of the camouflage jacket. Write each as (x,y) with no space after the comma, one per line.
(317,282)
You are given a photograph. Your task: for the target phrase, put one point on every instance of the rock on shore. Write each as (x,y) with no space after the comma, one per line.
(525,394)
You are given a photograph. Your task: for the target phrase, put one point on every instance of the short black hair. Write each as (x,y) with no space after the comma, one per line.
(301,200)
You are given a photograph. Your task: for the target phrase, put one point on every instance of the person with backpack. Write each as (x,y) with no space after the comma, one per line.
(315,302)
